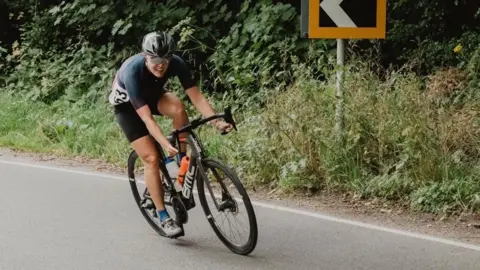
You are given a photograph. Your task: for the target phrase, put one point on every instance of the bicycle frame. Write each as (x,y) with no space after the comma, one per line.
(195,167)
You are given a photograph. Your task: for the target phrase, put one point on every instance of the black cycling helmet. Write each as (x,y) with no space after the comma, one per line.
(158,44)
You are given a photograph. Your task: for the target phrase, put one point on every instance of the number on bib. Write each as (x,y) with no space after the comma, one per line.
(118,95)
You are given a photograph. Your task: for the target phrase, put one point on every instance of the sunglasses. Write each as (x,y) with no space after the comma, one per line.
(159,60)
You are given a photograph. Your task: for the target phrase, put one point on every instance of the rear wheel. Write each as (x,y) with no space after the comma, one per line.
(230,196)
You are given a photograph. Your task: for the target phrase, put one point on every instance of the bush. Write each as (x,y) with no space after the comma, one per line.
(80,74)
(254,61)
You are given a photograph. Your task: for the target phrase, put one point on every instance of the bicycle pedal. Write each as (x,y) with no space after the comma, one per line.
(148,204)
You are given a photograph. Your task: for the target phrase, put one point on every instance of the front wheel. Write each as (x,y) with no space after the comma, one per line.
(223,202)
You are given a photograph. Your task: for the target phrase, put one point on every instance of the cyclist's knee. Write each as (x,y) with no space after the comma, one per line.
(171,106)
(178,108)
(150,160)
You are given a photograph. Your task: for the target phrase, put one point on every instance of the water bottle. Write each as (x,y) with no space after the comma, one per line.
(183,169)
(178,173)
(172,168)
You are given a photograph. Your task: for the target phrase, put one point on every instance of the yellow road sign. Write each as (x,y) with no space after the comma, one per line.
(348,19)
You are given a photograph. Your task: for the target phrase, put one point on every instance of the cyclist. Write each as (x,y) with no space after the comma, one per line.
(139,92)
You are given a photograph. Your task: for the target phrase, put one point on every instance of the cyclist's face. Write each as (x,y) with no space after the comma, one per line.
(158,66)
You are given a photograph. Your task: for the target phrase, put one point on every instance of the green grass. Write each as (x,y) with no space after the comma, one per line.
(18,125)
(63,129)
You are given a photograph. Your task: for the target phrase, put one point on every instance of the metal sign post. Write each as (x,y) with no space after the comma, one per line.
(339,19)
(339,95)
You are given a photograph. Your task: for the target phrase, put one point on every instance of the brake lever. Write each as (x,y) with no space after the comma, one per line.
(229,118)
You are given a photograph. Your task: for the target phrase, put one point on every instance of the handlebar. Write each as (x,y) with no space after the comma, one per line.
(227,116)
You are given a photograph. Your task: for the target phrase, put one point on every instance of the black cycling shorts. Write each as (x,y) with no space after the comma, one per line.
(130,122)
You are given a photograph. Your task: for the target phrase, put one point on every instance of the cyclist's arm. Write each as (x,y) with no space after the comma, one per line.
(191,89)
(201,103)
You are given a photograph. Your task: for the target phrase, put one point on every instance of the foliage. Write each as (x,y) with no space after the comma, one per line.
(78,74)
(252,56)
(425,32)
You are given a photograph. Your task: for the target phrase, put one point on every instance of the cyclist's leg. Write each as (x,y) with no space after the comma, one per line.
(139,138)
(145,149)
(171,106)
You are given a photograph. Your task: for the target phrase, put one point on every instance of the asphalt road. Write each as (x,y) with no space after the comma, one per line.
(53,219)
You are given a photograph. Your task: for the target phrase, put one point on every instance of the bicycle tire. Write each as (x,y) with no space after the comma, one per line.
(132,158)
(253,236)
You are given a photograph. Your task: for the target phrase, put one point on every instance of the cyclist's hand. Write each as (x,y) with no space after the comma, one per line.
(172,151)
(224,126)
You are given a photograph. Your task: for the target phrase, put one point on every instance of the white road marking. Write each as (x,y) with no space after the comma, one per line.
(103,175)
(275,207)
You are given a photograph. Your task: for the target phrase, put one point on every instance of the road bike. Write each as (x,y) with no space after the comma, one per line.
(198,171)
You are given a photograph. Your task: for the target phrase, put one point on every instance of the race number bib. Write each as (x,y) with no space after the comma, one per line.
(118,95)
